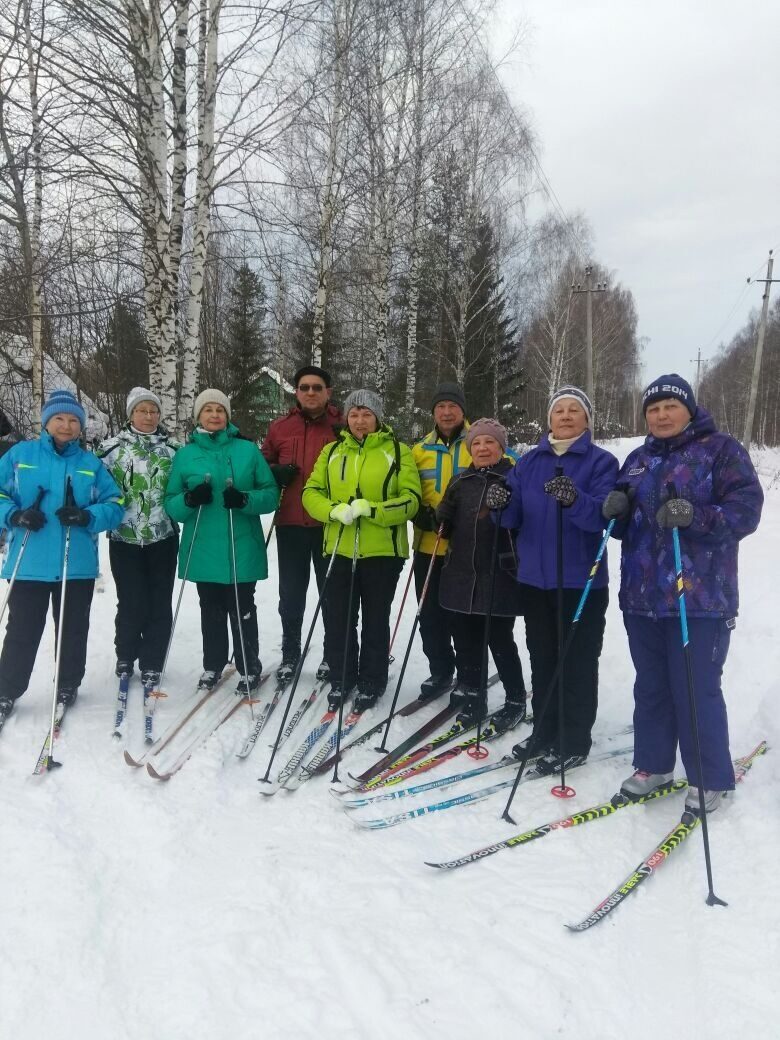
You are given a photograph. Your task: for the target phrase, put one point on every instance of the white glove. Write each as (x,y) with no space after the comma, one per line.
(360,507)
(342,513)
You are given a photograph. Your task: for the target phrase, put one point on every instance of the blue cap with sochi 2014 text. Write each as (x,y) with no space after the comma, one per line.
(664,387)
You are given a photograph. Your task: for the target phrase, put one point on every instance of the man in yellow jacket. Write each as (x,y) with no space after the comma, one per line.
(439,456)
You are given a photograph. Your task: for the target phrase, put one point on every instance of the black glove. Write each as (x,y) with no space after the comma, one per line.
(285,473)
(677,512)
(426,519)
(233,498)
(616,506)
(72,516)
(562,490)
(200,495)
(498,495)
(31,518)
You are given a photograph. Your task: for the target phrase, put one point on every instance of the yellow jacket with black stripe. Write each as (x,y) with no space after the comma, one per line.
(437,463)
(379,469)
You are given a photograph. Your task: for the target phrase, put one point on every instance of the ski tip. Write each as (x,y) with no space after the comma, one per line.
(576,927)
(154,774)
(438,866)
(132,761)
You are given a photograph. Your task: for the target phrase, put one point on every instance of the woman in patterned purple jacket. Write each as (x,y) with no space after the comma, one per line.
(689,476)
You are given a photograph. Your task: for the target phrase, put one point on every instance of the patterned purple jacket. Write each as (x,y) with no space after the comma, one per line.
(714,472)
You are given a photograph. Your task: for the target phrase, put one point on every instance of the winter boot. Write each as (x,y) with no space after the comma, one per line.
(712,800)
(550,763)
(248,683)
(123,668)
(323,671)
(150,677)
(367,696)
(532,746)
(66,695)
(641,783)
(473,706)
(286,670)
(513,712)
(6,707)
(335,697)
(209,680)
(435,685)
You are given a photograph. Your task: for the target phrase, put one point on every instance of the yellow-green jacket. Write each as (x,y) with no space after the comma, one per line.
(381,470)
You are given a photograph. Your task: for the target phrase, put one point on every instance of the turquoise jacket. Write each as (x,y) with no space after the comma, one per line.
(31,465)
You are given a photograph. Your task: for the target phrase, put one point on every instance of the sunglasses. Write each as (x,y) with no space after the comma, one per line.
(315,388)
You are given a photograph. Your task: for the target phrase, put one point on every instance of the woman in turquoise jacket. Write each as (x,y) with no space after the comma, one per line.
(34,477)
(216,472)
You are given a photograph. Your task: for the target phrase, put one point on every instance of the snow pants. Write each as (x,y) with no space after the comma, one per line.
(298,548)
(661,706)
(217,606)
(581,668)
(144,576)
(469,633)
(27,609)
(435,621)
(376,578)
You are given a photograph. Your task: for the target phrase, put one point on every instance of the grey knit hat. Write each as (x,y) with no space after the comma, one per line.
(573,393)
(139,394)
(365,399)
(449,392)
(486,428)
(210,396)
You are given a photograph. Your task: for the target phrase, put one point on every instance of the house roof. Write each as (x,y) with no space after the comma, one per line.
(278,379)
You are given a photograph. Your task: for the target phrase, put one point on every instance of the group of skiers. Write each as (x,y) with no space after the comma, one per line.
(495,538)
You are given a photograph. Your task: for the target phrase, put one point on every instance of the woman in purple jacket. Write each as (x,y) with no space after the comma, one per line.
(588,475)
(689,476)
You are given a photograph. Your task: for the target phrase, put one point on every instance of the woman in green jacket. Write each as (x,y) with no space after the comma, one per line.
(365,486)
(215,472)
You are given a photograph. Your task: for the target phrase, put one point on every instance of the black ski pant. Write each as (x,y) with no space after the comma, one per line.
(27,609)
(435,622)
(375,582)
(581,668)
(469,633)
(217,607)
(144,576)
(298,548)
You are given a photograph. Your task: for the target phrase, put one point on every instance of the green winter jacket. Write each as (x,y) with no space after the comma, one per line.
(223,455)
(381,470)
(140,464)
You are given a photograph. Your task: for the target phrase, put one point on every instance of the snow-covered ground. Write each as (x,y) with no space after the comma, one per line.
(197,909)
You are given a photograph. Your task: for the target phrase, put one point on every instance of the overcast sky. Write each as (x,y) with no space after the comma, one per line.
(661,123)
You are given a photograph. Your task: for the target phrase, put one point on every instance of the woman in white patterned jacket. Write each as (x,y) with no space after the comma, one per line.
(144,547)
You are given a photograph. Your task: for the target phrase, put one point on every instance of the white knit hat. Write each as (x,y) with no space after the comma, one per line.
(210,396)
(139,394)
(572,393)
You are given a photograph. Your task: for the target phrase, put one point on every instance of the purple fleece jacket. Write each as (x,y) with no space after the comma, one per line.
(533,513)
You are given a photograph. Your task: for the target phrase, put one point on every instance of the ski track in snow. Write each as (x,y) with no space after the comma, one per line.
(197,909)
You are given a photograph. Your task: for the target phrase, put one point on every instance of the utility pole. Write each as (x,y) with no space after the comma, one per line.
(589,289)
(697,361)
(751,411)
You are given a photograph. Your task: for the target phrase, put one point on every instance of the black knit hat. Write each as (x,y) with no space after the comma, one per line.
(449,392)
(665,387)
(311,370)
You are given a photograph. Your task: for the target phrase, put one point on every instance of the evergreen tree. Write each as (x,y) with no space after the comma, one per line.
(245,348)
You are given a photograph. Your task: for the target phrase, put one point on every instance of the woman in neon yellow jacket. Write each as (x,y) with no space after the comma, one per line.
(365,487)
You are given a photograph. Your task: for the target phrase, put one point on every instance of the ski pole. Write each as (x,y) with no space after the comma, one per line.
(229,484)
(569,639)
(350,600)
(477,750)
(36,505)
(69,500)
(206,480)
(403,602)
(302,658)
(273,518)
(382,749)
(712,899)
(560,790)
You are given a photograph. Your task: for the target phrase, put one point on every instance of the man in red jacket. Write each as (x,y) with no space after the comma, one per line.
(291,448)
